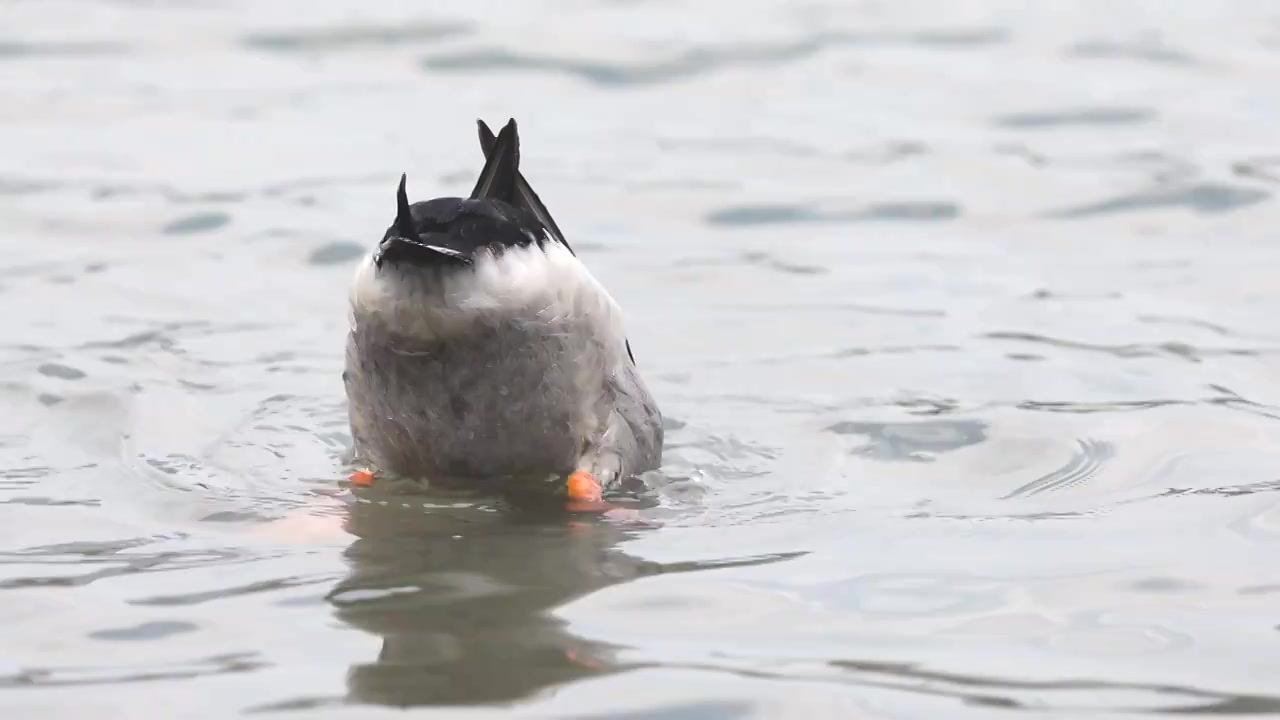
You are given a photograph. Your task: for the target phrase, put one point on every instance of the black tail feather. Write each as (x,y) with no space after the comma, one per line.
(498,178)
(524,196)
(404,218)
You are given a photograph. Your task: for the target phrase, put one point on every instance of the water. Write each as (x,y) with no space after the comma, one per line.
(962,315)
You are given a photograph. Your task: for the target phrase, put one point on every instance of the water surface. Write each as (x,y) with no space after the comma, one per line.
(962,316)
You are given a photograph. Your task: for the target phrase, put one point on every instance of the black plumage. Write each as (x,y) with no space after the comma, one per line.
(502,212)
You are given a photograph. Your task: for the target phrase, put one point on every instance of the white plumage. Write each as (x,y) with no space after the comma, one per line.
(538,284)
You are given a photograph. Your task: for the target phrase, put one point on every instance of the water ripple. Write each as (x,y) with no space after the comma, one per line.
(1224,398)
(919,441)
(27,51)
(354,37)
(1202,198)
(901,211)
(198,598)
(990,691)
(1228,491)
(1263,168)
(694,61)
(84,675)
(1169,348)
(1101,116)
(1085,462)
(1145,51)
(117,555)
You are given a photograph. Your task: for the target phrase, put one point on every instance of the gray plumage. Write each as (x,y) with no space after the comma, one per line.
(481,349)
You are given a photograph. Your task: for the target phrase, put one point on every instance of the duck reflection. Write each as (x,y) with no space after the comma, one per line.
(461,596)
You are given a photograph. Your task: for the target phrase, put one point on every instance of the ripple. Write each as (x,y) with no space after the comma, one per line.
(725,448)
(61,372)
(51,502)
(354,37)
(168,337)
(1203,198)
(23,186)
(1143,51)
(763,215)
(893,350)
(1186,321)
(1165,585)
(1090,695)
(112,560)
(153,630)
(197,223)
(83,675)
(1082,696)
(1086,408)
(912,441)
(881,154)
(1096,117)
(1259,590)
(1224,398)
(737,146)
(20,477)
(773,263)
(696,61)
(1228,491)
(852,307)
(976,37)
(19,50)
(199,598)
(928,211)
(335,253)
(695,461)
(772,214)
(110,190)
(704,710)
(1262,168)
(687,65)
(159,337)
(1035,517)
(1087,460)
(1170,348)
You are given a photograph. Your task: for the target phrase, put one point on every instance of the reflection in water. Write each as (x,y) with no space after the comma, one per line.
(462,597)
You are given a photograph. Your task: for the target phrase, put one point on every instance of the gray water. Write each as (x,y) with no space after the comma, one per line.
(961,313)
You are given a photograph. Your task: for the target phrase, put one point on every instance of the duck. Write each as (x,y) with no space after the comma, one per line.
(482,352)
